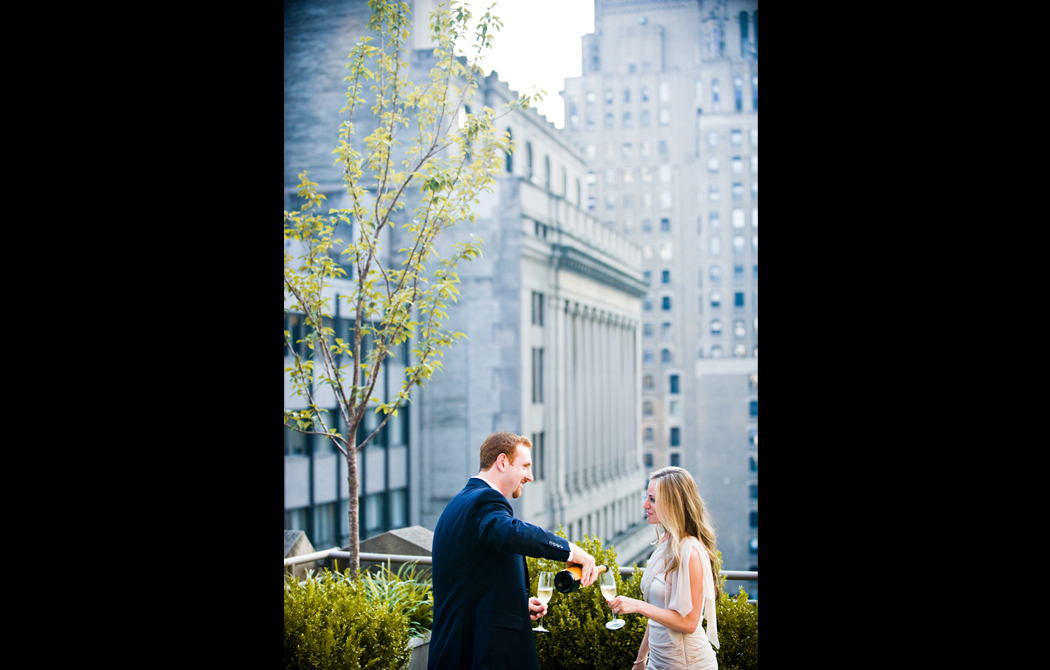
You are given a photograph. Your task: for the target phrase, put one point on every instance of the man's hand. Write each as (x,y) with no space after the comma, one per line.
(587,567)
(536,608)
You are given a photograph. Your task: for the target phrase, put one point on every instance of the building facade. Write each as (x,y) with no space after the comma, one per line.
(552,314)
(667,113)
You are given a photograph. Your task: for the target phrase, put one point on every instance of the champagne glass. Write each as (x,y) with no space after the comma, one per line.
(608,585)
(544,591)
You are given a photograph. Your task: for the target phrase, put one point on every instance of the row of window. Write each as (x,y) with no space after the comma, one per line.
(716,302)
(531,175)
(739,351)
(714,245)
(736,164)
(328,524)
(738,275)
(716,351)
(645,147)
(664,90)
(716,277)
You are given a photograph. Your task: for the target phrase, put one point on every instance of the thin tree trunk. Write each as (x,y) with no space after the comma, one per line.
(351,476)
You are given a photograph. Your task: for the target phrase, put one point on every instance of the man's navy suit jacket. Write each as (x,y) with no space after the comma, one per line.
(481,612)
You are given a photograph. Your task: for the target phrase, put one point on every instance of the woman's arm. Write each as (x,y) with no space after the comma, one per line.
(669,618)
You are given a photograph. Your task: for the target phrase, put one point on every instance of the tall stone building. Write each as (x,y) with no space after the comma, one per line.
(667,113)
(552,314)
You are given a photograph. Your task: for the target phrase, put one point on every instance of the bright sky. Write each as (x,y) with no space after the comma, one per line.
(538,46)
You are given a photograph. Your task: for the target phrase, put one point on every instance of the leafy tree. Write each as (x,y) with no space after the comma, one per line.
(396,298)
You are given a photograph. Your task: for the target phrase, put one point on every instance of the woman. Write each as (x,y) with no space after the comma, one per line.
(680,584)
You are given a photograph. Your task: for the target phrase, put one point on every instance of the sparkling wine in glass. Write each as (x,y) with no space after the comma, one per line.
(608,586)
(544,591)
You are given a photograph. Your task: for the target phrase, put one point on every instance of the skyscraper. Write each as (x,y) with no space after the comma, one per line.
(667,113)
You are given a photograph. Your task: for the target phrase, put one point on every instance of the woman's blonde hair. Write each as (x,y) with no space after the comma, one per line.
(683,514)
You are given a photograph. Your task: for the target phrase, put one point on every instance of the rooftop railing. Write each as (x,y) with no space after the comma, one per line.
(746,575)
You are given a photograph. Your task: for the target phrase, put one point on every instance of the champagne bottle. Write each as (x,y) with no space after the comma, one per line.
(568,580)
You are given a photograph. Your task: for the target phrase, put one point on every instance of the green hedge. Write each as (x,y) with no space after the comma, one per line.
(580,640)
(331,623)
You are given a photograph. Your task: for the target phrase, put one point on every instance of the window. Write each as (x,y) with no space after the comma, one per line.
(675,408)
(665,227)
(738,193)
(753,491)
(712,138)
(752,462)
(591,151)
(647,381)
(647,304)
(716,274)
(665,174)
(647,408)
(754,97)
(754,163)
(626,119)
(752,384)
(753,521)
(647,330)
(754,408)
(528,161)
(537,375)
(700,278)
(645,94)
(712,192)
(664,116)
(715,246)
(739,351)
(537,457)
(754,196)
(754,137)
(716,351)
(714,94)
(648,456)
(294,442)
(647,251)
(665,357)
(754,211)
(716,330)
(754,276)
(753,543)
(646,150)
(547,172)
(663,148)
(738,165)
(665,200)
(665,92)
(716,299)
(608,96)
(665,331)
(627,150)
(610,201)
(676,439)
(755,326)
(676,460)
(645,118)
(666,303)
(754,245)
(738,93)
(590,97)
(712,165)
(590,119)
(626,95)
(647,356)
(713,220)
(738,244)
(665,276)
(738,301)
(738,218)
(674,383)
(738,273)
(537,309)
(628,201)
(736,138)
(647,226)
(699,95)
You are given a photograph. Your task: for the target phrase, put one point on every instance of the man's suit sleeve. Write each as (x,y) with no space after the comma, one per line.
(496,527)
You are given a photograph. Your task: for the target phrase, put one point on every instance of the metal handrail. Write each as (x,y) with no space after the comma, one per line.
(750,575)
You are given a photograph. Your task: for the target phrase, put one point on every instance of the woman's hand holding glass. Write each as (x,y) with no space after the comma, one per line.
(625,605)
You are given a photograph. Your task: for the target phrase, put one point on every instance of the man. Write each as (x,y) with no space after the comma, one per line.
(482,609)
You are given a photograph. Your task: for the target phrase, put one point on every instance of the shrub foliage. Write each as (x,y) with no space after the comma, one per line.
(331,623)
